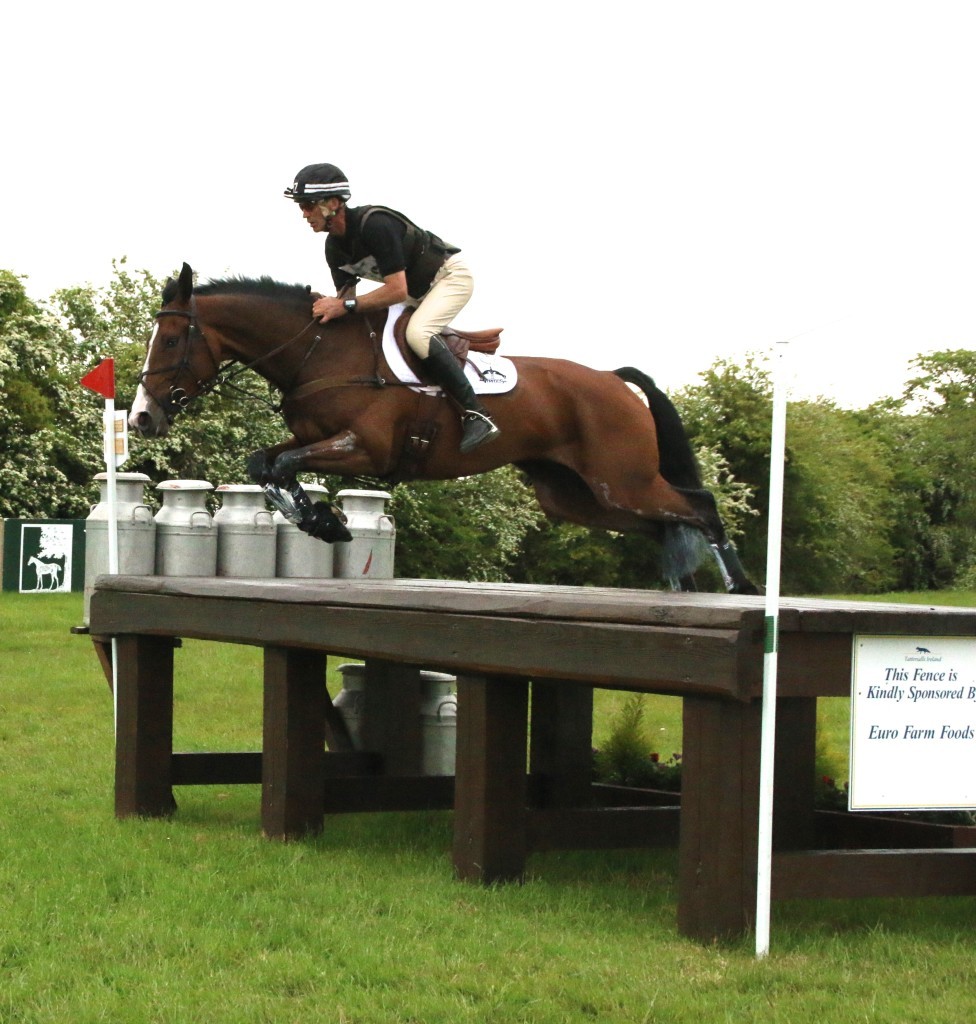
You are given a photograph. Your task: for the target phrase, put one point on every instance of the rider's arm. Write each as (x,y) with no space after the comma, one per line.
(390,292)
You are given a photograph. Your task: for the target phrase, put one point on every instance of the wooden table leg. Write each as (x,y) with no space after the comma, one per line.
(794,791)
(561,748)
(292,775)
(144,733)
(490,779)
(391,723)
(718,847)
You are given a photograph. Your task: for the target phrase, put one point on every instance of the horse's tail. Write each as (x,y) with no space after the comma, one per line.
(678,463)
(683,547)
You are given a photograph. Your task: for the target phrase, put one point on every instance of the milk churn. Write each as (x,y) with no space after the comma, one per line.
(370,552)
(438,715)
(350,700)
(136,531)
(438,722)
(299,555)
(245,532)
(186,538)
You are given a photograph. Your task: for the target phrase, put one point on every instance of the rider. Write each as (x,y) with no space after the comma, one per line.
(414,266)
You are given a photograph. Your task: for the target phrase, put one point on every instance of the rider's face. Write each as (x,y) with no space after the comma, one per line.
(319,215)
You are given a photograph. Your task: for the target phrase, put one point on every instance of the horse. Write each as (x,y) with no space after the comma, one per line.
(594,451)
(45,570)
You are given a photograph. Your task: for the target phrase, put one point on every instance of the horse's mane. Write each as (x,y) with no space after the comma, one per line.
(296,295)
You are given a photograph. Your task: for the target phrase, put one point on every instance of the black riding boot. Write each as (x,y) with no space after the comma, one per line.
(442,368)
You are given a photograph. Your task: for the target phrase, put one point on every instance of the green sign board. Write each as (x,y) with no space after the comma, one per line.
(43,556)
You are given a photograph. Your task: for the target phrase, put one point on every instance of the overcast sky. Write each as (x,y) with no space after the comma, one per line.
(654,184)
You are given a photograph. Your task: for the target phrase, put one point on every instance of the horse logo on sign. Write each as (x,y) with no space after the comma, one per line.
(45,558)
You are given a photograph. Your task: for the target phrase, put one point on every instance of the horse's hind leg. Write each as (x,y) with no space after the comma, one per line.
(564,495)
(680,518)
(726,557)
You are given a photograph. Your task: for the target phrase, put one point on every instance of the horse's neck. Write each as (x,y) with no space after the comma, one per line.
(286,350)
(271,344)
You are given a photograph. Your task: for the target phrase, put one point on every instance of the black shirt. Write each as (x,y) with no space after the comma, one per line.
(379,242)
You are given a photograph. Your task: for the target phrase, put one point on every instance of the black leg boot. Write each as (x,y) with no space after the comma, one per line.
(442,368)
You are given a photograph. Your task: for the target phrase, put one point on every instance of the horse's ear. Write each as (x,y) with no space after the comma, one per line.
(185,285)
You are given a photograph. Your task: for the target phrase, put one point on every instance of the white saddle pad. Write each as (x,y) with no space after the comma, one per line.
(488,374)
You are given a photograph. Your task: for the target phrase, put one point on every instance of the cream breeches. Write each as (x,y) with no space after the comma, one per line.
(448,295)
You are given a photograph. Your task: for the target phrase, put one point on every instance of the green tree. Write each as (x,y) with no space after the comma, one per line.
(50,444)
(946,382)
(212,439)
(836,516)
(470,529)
(929,432)
(730,413)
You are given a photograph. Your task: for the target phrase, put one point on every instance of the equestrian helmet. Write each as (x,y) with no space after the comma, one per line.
(318,181)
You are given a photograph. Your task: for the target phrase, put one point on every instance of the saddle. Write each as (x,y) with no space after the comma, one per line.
(459,342)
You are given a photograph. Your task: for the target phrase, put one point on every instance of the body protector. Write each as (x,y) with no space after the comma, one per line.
(351,258)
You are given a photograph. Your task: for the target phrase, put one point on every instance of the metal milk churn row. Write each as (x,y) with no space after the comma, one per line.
(136,532)
(438,715)
(242,539)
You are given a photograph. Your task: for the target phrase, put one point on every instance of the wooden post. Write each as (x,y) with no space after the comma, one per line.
(718,848)
(144,734)
(292,777)
(561,749)
(490,780)
(794,824)
(391,723)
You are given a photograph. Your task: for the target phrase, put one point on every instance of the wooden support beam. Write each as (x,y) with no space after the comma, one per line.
(144,730)
(719,814)
(294,742)
(561,748)
(490,778)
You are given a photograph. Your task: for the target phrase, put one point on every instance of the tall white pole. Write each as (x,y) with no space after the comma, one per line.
(113,538)
(770,664)
(102,381)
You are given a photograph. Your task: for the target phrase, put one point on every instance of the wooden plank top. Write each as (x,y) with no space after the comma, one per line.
(581,604)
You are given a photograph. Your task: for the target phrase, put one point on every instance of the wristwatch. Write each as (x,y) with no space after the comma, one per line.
(350,305)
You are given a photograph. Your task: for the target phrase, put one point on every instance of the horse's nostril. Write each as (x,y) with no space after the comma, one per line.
(142,421)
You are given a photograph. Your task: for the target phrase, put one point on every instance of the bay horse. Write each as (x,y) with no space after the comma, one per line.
(593,451)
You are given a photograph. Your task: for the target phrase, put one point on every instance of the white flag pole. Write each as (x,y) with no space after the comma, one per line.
(102,381)
(113,540)
(770,664)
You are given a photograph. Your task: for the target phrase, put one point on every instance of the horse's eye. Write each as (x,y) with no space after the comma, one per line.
(172,342)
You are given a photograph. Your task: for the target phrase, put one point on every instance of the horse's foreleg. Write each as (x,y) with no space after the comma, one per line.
(342,453)
(278,468)
(260,464)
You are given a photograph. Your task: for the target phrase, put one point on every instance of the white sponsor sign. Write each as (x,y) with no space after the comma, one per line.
(913,723)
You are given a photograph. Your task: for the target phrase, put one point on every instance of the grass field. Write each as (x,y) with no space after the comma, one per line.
(199,919)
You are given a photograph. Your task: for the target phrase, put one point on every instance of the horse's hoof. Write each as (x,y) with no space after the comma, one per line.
(748,588)
(324,524)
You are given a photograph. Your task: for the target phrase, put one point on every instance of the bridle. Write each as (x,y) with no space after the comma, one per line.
(178,398)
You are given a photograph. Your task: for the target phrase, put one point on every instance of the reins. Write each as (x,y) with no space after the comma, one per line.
(224,376)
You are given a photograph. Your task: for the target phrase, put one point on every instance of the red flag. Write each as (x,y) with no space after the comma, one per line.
(102,378)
